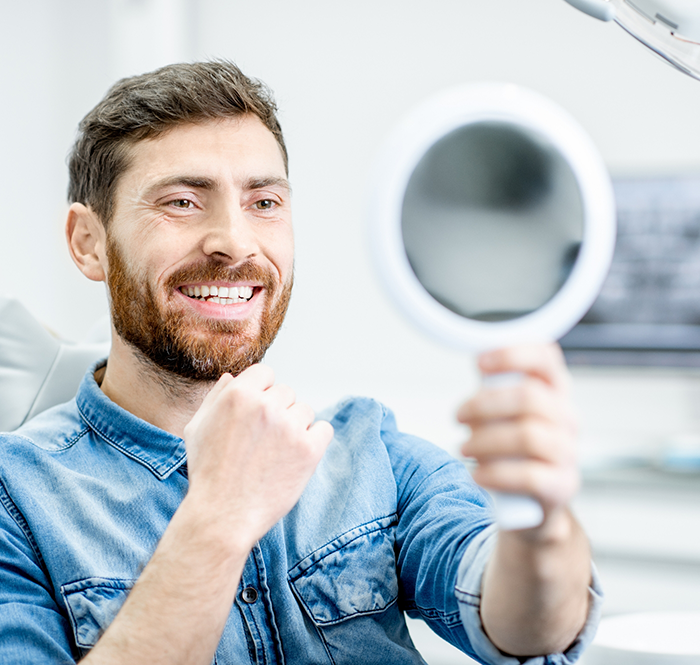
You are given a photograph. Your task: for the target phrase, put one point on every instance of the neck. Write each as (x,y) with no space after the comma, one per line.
(158,397)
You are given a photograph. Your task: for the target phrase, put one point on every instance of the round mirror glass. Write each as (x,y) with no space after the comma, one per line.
(486,185)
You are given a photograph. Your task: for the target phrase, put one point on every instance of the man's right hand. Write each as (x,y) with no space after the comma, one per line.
(251,451)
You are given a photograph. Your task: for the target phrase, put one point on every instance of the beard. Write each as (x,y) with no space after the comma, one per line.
(182,343)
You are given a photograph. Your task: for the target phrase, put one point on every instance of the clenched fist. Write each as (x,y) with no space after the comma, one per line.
(251,449)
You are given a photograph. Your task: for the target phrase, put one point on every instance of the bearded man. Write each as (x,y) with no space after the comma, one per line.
(185,508)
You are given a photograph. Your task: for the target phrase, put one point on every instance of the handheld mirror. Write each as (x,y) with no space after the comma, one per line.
(492,223)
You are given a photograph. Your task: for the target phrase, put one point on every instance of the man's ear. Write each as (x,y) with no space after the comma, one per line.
(86,238)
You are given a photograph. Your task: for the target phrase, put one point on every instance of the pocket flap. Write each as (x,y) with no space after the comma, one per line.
(92,605)
(354,574)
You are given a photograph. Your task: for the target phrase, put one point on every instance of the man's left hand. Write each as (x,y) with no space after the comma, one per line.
(523,436)
(534,596)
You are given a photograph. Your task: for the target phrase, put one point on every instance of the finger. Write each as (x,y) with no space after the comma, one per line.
(256,377)
(530,438)
(551,485)
(321,434)
(531,398)
(218,388)
(544,361)
(302,414)
(282,396)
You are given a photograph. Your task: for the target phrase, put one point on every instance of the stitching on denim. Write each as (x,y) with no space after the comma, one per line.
(21,522)
(76,438)
(392,516)
(57,449)
(160,475)
(113,443)
(73,618)
(365,613)
(468,601)
(259,562)
(326,646)
(260,635)
(114,583)
(466,593)
(250,643)
(447,618)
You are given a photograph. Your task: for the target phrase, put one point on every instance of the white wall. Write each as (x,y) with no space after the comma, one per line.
(343,73)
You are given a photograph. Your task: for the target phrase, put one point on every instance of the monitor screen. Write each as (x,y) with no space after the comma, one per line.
(648,311)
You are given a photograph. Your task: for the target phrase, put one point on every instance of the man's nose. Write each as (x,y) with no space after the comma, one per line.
(231,235)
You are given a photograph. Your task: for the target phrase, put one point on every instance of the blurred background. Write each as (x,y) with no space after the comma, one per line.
(343,74)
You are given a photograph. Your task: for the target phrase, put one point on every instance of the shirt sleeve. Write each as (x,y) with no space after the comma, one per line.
(32,628)
(440,512)
(468,593)
(445,537)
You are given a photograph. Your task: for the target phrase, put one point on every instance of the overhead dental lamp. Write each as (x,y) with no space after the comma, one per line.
(670,28)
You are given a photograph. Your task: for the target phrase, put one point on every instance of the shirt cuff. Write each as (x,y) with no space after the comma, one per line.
(468,593)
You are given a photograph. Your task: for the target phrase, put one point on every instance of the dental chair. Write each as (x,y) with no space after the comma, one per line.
(37,370)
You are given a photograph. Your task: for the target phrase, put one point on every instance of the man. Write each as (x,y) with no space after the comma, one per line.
(186,509)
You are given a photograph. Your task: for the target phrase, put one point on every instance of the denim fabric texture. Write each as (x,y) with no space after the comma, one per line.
(388,524)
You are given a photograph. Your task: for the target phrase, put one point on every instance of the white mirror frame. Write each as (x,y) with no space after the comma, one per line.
(414,136)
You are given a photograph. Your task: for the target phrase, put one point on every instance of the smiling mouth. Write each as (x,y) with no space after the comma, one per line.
(219,294)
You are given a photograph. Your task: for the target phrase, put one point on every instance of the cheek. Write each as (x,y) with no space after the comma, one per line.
(283,252)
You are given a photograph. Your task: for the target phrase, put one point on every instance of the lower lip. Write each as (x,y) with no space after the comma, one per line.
(234,312)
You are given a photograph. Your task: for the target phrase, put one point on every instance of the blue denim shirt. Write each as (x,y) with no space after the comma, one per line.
(388,524)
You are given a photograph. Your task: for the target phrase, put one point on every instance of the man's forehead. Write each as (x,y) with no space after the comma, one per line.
(201,149)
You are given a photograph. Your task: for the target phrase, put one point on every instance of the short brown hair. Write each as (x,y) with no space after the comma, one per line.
(141,107)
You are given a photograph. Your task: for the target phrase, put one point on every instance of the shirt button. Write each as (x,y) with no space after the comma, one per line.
(249,595)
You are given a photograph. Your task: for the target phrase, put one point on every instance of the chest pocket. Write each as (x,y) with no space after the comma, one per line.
(353,575)
(92,604)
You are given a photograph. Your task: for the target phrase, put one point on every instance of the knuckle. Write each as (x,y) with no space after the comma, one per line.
(534,480)
(532,437)
(530,397)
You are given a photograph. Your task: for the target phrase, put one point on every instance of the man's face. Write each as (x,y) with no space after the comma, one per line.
(200,247)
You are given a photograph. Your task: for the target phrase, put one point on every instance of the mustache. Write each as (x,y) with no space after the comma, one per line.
(212,270)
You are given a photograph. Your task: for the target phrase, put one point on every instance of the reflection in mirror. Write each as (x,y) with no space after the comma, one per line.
(492,221)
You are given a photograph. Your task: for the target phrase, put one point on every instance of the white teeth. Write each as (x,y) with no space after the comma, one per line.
(219,294)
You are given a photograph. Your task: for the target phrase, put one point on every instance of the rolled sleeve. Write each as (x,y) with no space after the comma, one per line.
(468,593)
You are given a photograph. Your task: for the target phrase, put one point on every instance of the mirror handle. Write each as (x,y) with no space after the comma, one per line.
(513,511)
(516,511)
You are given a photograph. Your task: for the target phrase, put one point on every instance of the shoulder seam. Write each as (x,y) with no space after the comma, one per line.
(16,515)
(68,444)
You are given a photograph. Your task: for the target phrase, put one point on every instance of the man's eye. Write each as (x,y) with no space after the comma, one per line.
(265,204)
(183,204)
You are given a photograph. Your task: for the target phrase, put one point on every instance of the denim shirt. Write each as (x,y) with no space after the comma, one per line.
(388,524)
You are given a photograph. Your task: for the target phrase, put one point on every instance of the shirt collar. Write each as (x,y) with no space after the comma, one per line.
(151,446)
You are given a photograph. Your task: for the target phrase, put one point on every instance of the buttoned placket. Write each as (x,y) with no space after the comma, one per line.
(254,602)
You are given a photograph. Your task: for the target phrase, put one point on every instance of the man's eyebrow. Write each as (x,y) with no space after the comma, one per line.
(202,182)
(273,181)
(194,182)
